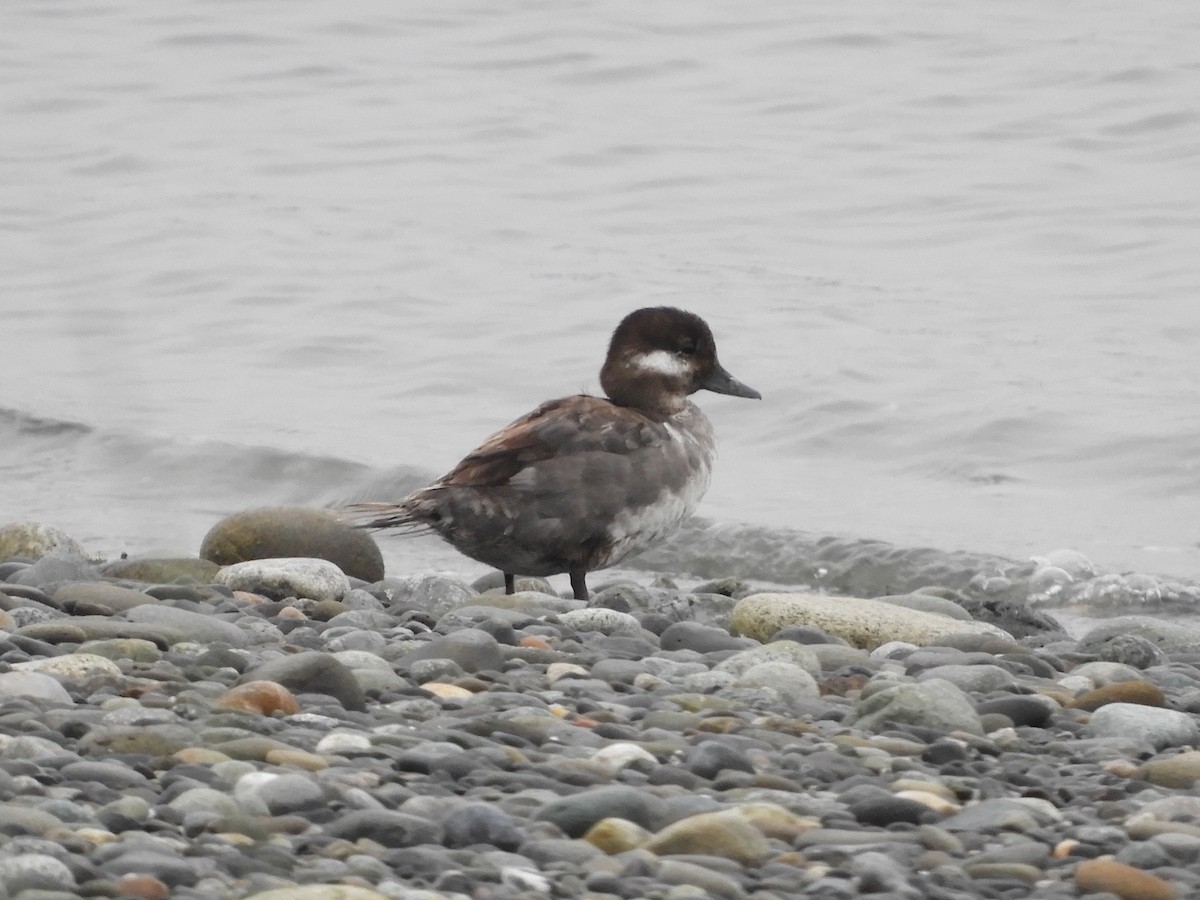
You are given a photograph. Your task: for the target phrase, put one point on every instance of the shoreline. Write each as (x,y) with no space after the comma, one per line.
(273,729)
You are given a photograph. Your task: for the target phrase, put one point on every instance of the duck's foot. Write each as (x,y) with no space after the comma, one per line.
(579,583)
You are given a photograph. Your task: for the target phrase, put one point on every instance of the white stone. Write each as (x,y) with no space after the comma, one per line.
(73,665)
(316,579)
(864,623)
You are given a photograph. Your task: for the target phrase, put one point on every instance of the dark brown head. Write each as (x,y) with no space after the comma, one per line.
(660,355)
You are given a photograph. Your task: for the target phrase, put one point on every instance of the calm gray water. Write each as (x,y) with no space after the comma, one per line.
(265,251)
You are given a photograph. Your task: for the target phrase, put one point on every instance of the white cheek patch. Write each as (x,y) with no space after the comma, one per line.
(662,362)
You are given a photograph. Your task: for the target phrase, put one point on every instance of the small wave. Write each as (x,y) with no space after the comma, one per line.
(872,568)
(137,487)
(16,424)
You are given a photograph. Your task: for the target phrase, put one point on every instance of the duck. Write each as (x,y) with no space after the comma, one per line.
(583,482)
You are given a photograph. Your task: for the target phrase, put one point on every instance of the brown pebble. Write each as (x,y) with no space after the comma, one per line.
(1122,768)
(842,685)
(1140,692)
(446,691)
(1128,883)
(143,887)
(720,724)
(536,641)
(200,756)
(260,697)
(1179,771)
(1064,848)
(472,684)
(324,610)
(301,759)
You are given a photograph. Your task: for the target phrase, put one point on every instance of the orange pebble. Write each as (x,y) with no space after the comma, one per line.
(1128,883)
(260,697)
(143,887)
(1064,847)
(1140,692)
(536,641)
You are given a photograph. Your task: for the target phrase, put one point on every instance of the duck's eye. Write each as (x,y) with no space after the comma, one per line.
(688,349)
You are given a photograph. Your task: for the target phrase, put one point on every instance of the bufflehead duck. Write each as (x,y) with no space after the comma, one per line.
(582,482)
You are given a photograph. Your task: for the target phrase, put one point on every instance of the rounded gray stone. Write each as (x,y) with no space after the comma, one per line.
(33,685)
(198,627)
(981,679)
(34,872)
(473,649)
(790,652)
(935,704)
(435,593)
(52,570)
(312,672)
(287,793)
(1132,650)
(391,829)
(481,823)
(89,596)
(1168,636)
(209,800)
(1161,728)
(790,681)
(927,603)
(275,532)
(700,638)
(576,813)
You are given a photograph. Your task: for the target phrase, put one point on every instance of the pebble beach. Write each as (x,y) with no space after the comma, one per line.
(277,718)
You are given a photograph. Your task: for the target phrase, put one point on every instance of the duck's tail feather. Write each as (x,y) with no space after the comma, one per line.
(380,515)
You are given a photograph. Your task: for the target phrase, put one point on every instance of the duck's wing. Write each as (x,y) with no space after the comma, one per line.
(556,432)
(559,430)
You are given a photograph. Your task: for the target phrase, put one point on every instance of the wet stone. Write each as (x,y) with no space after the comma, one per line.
(312,672)
(577,813)
(34,872)
(884,809)
(700,638)
(1158,727)
(1021,710)
(471,649)
(162,570)
(52,570)
(293,532)
(390,829)
(708,758)
(202,627)
(935,704)
(481,823)
(97,598)
(1131,650)
(280,578)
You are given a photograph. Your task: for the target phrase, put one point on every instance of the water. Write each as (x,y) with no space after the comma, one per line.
(263,252)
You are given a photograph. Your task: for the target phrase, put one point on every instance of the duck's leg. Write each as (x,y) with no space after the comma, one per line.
(579,582)
(510,583)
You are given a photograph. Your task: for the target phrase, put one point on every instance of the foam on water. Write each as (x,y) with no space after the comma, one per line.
(252,246)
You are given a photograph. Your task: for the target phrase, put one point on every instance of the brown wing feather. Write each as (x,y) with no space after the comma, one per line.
(578,424)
